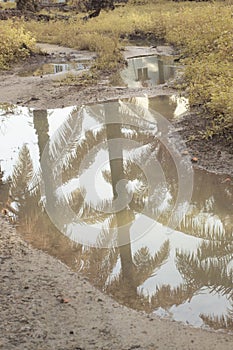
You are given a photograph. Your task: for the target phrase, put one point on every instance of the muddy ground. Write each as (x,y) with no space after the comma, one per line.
(46,91)
(46,306)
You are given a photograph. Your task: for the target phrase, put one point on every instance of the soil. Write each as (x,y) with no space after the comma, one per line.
(46,306)
(214,155)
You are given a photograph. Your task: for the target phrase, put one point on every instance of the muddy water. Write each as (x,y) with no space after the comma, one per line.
(135,218)
(56,68)
(148,71)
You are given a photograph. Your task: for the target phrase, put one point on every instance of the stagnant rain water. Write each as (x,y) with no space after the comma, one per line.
(56,68)
(60,159)
(148,71)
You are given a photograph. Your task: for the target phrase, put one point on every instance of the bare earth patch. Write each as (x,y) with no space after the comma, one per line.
(46,306)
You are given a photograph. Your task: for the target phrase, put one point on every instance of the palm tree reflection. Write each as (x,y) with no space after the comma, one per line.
(120,270)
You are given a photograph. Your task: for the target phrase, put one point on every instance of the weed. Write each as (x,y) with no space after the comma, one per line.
(82,80)
(15,43)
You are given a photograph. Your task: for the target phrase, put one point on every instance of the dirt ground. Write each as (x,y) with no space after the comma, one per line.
(46,306)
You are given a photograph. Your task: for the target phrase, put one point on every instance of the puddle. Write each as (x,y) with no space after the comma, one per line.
(171,107)
(148,71)
(56,68)
(183,273)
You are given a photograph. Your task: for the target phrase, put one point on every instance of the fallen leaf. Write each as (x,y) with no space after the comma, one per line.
(228,179)
(194,159)
(64,300)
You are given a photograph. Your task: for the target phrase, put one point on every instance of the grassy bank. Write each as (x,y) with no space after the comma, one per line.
(15,42)
(202,31)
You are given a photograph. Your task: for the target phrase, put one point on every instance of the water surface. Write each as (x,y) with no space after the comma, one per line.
(148,71)
(56,68)
(184,273)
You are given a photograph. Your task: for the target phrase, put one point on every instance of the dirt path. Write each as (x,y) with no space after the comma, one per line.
(46,306)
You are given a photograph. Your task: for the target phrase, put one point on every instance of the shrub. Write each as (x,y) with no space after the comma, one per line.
(15,43)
